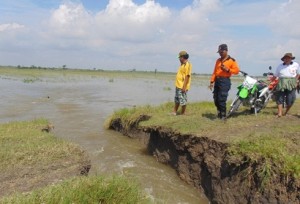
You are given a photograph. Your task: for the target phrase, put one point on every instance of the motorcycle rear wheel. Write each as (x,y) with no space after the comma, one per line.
(235,106)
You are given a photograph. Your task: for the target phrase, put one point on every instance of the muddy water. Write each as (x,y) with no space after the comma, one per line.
(78,110)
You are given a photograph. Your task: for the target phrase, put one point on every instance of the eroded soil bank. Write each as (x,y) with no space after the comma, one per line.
(208,165)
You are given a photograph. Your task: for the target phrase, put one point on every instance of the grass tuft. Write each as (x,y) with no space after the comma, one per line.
(271,150)
(24,144)
(94,189)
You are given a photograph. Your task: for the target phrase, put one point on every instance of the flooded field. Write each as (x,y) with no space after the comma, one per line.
(78,109)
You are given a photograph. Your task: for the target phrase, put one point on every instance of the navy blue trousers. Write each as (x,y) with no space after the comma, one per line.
(221,89)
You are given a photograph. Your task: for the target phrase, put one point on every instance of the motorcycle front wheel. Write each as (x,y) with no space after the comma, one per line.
(259,104)
(234,106)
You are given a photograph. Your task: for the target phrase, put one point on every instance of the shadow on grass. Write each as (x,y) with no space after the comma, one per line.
(210,116)
(241,113)
(295,115)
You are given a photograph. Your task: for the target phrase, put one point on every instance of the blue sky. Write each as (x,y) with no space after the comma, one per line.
(147,35)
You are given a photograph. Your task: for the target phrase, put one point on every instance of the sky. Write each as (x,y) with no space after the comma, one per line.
(147,34)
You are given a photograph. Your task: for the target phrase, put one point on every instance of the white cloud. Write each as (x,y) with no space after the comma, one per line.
(13,37)
(193,23)
(150,11)
(285,19)
(123,20)
(70,19)
(199,9)
(125,34)
(10,27)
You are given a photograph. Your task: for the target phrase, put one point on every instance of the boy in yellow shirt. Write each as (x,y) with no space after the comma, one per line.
(183,82)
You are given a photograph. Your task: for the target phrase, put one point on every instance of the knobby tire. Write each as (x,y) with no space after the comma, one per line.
(235,105)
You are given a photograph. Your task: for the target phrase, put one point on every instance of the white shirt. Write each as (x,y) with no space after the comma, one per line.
(289,70)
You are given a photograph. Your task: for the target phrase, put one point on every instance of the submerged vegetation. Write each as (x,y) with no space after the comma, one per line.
(31,80)
(261,137)
(167,88)
(46,74)
(31,73)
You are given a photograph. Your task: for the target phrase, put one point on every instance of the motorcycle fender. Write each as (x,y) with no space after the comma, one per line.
(254,89)
(263,91)
(243,93)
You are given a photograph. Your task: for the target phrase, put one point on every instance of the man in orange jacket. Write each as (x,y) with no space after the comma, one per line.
(225,67)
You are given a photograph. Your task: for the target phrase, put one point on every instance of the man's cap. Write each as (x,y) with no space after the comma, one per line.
(222,47)
(290,55)
(182,53)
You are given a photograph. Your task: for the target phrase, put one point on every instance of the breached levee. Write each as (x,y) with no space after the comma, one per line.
(208,165)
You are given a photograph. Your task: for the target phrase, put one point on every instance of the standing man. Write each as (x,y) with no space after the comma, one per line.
(225,66)
(183,82)
(288,73)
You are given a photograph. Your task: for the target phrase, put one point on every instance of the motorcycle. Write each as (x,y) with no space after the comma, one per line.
(269,91)
(247,95)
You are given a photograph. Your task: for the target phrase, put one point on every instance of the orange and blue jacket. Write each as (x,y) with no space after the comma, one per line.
(230,63)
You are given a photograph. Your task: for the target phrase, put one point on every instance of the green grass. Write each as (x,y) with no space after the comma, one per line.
(24,144)
(270,149)
(30,158)
(94,189)
(259,137)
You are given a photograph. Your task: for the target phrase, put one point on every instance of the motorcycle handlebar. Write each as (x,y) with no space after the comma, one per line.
(244,73)
(268,74)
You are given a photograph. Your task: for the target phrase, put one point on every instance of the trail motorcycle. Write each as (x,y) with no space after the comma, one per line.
(247,94)
(268,92)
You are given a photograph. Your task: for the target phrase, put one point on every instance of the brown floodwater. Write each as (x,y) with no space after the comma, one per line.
(78,109)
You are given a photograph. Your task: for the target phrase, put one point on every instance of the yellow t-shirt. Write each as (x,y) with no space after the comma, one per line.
(183,71)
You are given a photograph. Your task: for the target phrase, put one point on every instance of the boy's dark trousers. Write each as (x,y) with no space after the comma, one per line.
(221,89)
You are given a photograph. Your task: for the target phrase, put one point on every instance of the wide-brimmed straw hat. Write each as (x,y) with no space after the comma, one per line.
(290,55)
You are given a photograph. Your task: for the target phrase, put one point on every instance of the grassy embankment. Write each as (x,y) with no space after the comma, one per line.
(275,140)
(30,158)
(93,189)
